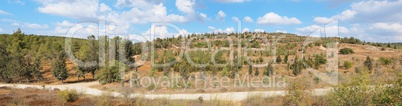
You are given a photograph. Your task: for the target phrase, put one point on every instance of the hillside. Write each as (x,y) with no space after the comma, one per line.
(305,57)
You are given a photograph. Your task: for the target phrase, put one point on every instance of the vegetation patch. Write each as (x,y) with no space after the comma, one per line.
(346,51)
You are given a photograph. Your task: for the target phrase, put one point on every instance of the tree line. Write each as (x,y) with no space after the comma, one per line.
(22,57)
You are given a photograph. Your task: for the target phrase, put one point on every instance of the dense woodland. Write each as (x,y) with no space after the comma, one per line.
(21,55)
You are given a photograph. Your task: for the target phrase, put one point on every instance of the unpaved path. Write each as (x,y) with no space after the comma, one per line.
(230,96)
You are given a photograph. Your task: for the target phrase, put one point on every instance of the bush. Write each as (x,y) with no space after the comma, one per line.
(346,51)
(317,80)
(347,64)
(151,87)
(68,95)
(385,61)
(224,72)
(357,92)
(298,93)
(389,95)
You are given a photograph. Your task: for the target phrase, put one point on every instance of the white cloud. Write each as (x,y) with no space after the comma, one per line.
(281,31)
(259,30)
(79,9)
(308,29)
(60,30)
(248,19)
(230,30)
(1,30)
(8,20)
(140,15)
(372,20)
(377,11)
(158,31)
(393,27)
(246,30)
(345,15)
(235,19)
(4,13)
(227,30)
(104,8)
(377,32)
(381,30)
(183,32)
(143,4)
(221,15)
(15,24)
(16,1)
(161,31)
(328,30)
(322,20)
(64,24)
(231,1)
(185,6)
(157,14)
(211,28)
(203,17)
(274,19)
(36,26)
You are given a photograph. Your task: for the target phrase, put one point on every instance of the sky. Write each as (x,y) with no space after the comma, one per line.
(368,20)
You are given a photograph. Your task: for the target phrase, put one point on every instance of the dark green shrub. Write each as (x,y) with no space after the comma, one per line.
(346,51)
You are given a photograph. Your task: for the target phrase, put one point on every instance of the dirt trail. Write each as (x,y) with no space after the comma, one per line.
(231,96)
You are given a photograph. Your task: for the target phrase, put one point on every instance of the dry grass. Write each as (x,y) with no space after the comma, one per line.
(33,96)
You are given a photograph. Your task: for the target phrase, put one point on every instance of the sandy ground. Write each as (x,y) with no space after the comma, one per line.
(231,96)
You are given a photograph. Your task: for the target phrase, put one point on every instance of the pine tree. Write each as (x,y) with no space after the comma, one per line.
(88,54)
(368,63)
(286,58)
(269,70)
(278,59)
(250,69)
(395,47)
(225,71)
(4,61)
(256,71)
(296,67)
(59,66)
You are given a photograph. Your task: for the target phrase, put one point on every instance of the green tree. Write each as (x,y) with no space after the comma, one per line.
(368,63)
(59,66)
(297,66)
(88,54)
(269,70)
(256,71)
(286,58)
(250,69)
(109,73)
(5,74)
(278,59)
(319,60)
(126,49)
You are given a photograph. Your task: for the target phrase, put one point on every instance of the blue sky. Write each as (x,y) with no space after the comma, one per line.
(369,20)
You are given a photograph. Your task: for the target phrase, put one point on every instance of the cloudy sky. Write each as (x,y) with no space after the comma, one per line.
(369,20)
